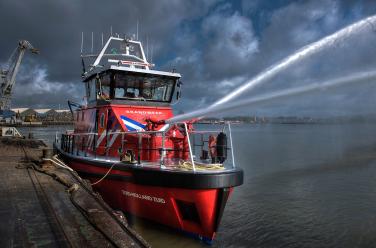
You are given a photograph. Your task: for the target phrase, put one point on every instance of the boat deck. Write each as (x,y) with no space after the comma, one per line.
(175,165)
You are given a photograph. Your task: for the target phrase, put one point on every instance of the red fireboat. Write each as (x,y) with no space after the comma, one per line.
(173,174)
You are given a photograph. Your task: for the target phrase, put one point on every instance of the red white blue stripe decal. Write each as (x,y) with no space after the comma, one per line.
(132,125)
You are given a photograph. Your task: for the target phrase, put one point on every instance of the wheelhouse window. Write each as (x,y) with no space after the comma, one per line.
(91,92)
(145,88)
(123,86)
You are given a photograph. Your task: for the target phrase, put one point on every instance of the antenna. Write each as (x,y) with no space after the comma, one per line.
(82,42)
(92,42)
(111,31)
(147,48)
(102,39)
(137,31)
(151,56)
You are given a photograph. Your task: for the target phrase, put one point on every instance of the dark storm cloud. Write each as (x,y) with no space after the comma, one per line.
(301,23)
(288,28)
(55,28)
(215,45)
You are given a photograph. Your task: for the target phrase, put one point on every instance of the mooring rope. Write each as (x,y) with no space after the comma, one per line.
(58,163)
(63,165)
(105,175)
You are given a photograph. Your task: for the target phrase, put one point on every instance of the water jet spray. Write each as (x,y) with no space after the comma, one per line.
(361,77)
(270,72)
(301,54)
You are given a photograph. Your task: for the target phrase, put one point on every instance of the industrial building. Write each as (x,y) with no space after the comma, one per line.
(42,115)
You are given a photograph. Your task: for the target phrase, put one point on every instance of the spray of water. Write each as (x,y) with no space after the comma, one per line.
(362,77)
(304,52)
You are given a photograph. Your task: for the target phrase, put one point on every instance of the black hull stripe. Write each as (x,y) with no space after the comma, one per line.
(162,178)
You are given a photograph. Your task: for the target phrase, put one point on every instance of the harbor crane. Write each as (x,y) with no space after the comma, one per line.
(8,75)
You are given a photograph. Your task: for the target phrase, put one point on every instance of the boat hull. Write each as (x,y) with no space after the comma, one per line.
(188,201)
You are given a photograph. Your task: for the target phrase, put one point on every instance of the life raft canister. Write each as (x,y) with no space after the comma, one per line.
(221,147)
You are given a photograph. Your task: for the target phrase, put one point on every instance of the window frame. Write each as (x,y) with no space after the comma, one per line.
(169,89)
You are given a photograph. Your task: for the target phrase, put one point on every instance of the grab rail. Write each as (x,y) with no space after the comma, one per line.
(68,143)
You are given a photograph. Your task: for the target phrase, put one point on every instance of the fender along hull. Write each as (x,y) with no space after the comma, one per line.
(187,201)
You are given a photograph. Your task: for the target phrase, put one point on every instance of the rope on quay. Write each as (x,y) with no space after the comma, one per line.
(58,163)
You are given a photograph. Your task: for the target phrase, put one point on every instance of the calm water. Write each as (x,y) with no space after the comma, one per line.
(305,186)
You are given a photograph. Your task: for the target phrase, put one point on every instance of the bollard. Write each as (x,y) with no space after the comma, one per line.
(31,136)
(47,153)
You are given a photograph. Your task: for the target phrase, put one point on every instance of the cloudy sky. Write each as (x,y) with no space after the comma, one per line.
(215,45)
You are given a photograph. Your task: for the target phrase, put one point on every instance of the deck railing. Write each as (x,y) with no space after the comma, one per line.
(78,144)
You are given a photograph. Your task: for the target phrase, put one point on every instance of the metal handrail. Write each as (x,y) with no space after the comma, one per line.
(232,147)
(72,137)
(190,148)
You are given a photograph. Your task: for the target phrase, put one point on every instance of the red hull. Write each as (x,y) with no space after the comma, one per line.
(196,211)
